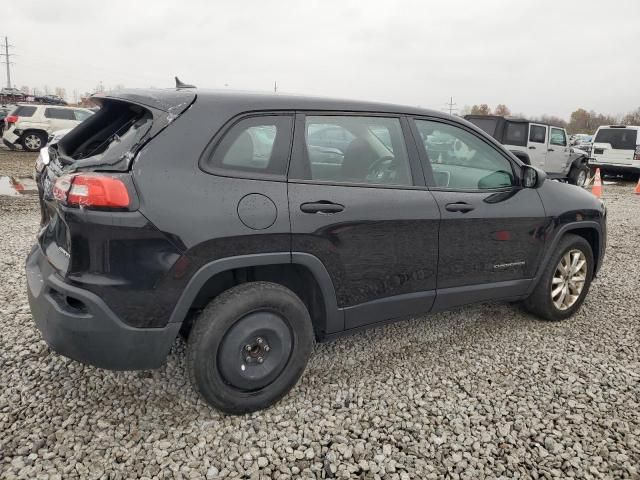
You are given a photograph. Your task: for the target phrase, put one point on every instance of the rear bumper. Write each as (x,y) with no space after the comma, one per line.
(10,138)
(79,325)
(614,167)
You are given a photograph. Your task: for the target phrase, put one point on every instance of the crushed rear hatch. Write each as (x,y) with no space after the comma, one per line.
(106,142)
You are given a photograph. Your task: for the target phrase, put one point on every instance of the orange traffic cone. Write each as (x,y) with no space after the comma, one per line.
(597,184)
(637,190)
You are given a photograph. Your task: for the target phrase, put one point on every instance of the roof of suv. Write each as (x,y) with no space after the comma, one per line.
(261,101)
(633,127)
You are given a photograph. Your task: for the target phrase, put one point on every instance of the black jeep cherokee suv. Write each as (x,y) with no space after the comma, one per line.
(256,224)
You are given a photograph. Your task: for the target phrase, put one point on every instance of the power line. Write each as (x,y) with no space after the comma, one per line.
(7,60)
(451,106)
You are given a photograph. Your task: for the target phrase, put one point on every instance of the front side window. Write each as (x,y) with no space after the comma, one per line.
(558,137)
(538,134)
(257,144)
(462,161)
(355,149)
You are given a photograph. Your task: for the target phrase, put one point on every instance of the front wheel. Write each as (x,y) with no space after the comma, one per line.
(565,281)
(578,175)
(249,347)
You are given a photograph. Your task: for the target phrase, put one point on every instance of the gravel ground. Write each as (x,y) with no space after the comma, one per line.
(480,392)
(16,163)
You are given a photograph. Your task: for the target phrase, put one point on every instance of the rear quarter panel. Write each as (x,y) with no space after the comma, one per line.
(198,211)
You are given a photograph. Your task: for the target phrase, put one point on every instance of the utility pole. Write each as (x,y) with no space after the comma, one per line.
(7,59)
(451,106)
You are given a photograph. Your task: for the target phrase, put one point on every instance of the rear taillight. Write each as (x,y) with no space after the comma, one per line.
(91,190)
(636,156)
(9,119)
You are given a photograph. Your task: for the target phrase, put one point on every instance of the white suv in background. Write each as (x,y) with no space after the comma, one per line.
(616,149)
(30,125)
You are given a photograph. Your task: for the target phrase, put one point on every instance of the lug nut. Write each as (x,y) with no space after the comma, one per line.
(248,359)
(259,340)
(260,359)
(267,348)
(247,348)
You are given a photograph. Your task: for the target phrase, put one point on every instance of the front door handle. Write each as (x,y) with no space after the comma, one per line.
(551,150)
(532,147)
(459,207)
(321,207)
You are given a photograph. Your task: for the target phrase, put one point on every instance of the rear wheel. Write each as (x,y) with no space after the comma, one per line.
(249,346)
(33,141)
(565,281)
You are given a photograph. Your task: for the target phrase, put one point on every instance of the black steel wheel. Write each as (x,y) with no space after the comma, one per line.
(249,346)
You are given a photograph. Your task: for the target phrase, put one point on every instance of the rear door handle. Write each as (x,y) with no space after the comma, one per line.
(532,147)
(321,207)
(551,150)
(459,207)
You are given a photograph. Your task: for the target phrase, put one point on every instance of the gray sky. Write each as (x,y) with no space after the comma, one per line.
(535,56)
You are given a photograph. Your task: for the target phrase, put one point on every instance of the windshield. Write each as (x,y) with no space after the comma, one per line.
(618,138)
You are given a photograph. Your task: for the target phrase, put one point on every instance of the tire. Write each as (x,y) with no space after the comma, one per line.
(33,141)
(578,175)
(273,322)
(540,302)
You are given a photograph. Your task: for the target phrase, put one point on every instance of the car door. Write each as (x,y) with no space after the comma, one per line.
(537,145)
(492,230)
(557,151)
(363,210)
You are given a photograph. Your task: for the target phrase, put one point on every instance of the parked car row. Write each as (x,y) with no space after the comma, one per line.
(613,148)
(538,144)
(30,125)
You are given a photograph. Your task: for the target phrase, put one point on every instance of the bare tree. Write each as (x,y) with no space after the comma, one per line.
(502,110)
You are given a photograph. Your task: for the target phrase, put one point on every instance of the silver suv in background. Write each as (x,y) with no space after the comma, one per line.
(616,149)
(540,145)
(31,125)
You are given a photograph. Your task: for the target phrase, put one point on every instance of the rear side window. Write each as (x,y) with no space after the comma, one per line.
(538,134)
(515,134)
(24,111)
(254,145)
(618,138)
(59,113)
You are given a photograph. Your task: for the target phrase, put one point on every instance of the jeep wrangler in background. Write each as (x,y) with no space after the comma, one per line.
(543,146)
(258,224)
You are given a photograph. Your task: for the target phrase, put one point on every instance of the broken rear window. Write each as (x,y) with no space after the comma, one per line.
(116,130)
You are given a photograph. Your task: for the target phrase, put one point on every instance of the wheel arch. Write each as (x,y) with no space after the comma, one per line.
(589,230)
(302,273)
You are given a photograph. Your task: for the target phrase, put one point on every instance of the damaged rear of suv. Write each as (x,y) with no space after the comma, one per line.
(95,243)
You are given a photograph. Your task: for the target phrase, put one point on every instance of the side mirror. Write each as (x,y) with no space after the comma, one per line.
(532,177)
